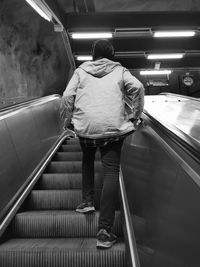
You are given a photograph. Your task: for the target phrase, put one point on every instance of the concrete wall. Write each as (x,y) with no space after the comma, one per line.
(33,60)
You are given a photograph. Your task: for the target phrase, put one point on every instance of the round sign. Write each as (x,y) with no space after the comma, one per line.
(188,80)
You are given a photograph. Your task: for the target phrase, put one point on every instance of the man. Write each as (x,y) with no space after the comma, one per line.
(94,103)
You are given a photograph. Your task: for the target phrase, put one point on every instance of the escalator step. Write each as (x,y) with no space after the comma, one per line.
(69,156)
(62,252)
(71,141)
(54,199)
(60,181)
(58,199)
(70,148)
(69,167)
(49,224)
(65,181)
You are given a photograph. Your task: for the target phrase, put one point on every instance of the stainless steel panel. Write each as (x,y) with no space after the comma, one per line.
(25,137)
(26,134)
(177,112)
(161,192)
(11,173)
(47,115)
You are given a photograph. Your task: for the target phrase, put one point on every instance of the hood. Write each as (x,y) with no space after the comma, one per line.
(99,68)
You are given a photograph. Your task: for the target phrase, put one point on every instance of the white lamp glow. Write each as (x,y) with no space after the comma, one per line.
(38,7)
(174,34)
(84,58)
(165,56)
(91,35)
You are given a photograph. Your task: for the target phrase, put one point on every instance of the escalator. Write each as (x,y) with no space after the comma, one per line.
(46,231)
(158,211)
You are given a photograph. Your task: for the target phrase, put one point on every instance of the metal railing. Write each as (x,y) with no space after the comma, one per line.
(27,103)
(133,259)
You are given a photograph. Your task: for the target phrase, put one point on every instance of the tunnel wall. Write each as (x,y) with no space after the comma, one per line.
(33,60)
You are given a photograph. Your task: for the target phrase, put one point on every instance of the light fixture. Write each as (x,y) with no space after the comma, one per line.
(165,56)
(40,8)
(84,58)
(91,35)
(155,72)
(174,33)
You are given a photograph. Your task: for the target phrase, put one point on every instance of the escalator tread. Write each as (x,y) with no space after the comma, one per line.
(57,223)
(62,252)
(48,232)
(25,244)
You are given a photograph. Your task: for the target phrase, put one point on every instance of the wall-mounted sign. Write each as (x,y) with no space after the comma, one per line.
(188,80)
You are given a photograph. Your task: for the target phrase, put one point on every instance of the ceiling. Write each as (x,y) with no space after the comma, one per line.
(141,17)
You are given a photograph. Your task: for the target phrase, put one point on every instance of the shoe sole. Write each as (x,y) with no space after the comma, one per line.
(86,210)
(107,244)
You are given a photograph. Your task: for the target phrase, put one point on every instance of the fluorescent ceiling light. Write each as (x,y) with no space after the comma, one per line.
(91,35)
(155,72)
(40,8)
(174,33)
(84,58)
(165,56)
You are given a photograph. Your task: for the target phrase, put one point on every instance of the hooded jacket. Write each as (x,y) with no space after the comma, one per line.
(94,99)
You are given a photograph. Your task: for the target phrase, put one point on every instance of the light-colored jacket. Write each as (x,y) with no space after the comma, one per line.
(94,99)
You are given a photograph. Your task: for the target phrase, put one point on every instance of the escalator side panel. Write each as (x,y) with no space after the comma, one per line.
(26,135)
(160,191)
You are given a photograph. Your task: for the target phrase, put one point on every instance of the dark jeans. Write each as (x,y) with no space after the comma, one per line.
(110,158)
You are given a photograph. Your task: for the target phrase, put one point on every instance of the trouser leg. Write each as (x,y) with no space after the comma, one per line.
(88,173)
(110,157)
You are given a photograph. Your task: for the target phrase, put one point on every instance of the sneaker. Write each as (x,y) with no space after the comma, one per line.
(85,207)
(105,239)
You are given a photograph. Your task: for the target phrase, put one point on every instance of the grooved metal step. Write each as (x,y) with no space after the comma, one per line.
(50,233)
(70,148)
(70,156)
(69,167)
(57,199)
(71,141)
(64,181)
(46,224)
(54,199)
(60,252)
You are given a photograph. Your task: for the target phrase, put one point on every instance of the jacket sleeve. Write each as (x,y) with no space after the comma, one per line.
(68,99)
(134,90)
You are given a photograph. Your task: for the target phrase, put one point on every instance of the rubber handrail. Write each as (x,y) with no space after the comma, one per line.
(134,258)
(186,141)
(29,103)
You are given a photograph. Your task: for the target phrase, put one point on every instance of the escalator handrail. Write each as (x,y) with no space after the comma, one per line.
(186,141)
(26,188)
(28,103)
(134,258)
(194,174)
(180,96)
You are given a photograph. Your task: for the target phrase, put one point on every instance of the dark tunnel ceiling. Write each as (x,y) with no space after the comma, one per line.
(98,15)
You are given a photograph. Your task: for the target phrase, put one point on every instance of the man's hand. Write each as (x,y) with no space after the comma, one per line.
(70,133)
